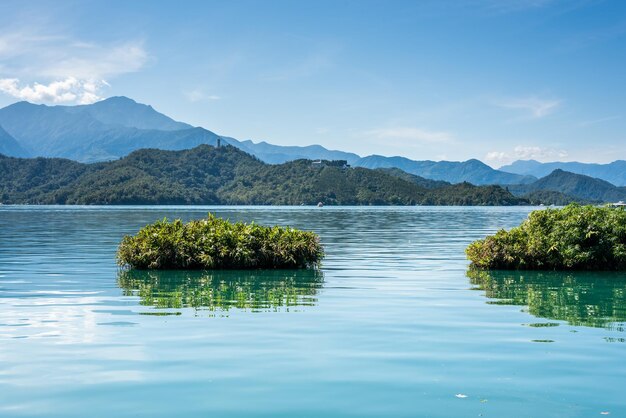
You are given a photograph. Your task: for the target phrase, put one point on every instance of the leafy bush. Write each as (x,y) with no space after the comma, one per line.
(572,238)
(215,243)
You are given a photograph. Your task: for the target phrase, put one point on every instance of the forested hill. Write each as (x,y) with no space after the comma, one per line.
(577,186)
(226,175)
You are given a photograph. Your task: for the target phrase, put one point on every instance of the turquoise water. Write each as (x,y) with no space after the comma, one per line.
(392,325)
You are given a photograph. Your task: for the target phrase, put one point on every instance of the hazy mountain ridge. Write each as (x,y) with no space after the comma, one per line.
(115,127)
(277,154)
(614,172)
(95,133)
(10,146)
(472,171)
(122,111)
(585,188)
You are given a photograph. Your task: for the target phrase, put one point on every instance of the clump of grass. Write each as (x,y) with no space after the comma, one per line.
(572,238)
(215,243)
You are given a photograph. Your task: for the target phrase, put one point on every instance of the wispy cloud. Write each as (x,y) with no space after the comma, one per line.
(199,95)
(411,134)
(534,107)
(597,121)
(521,152)
(61,69)
(16,43)
(98,61)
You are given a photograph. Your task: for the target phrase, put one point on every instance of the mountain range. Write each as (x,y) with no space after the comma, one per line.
(566,187)
(472,171)
(112,128)
(614,172)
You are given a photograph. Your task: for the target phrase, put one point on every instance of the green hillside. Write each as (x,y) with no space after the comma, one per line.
(568,187)
(226,175)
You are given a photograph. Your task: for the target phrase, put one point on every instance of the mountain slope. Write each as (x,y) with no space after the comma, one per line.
(420,181)
(472,171)
(548,197)
(114,127)
(225,175)
(614,172)
(10,146)
(76,132)
(126,112)
(277,154)
(575,185)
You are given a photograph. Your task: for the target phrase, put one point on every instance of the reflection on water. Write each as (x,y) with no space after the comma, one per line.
(256,290)
(591,299)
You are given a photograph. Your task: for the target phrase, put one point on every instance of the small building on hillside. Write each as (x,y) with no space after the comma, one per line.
(343,164)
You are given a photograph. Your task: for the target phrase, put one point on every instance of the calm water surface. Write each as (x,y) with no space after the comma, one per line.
(392,326)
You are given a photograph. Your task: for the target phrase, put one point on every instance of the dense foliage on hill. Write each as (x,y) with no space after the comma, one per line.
(216,243)
(572,238)
(412,178)
(579,187)
(551,197)
(225,175)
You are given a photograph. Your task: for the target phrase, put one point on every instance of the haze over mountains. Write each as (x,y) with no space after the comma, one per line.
(115,127)
(10,146)
(112,128)
(570,186)
(614,172)
(472,171)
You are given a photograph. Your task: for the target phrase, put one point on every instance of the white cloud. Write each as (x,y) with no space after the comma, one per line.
(18,43)
(536,107)
(199,96)
(69,90)
(412,134)
(526,153)
(60,69)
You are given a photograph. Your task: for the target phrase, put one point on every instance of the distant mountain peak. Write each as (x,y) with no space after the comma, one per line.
(124,111)
(473,171)
(118,99)
(614,172)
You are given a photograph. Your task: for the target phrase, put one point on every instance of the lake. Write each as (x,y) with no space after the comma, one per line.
(393,325)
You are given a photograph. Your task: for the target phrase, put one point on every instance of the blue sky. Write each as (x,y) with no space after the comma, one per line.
(497,80)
